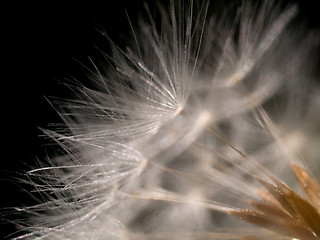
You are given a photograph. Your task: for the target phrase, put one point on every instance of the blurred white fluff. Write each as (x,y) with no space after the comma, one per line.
(169,140)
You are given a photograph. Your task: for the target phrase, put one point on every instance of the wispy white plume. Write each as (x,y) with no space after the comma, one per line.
(192,127)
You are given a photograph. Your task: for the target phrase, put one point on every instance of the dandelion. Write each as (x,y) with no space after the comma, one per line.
(191,133)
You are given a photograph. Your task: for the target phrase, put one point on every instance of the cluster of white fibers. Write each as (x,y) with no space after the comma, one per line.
(182,128)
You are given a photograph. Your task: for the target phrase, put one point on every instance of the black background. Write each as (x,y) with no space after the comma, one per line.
(40,45)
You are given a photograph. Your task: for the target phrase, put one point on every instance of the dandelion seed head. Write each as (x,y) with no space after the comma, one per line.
(234,79)
(295,142)
(181,139)
(203,119)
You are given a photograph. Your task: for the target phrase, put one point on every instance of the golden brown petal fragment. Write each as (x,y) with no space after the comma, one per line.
(309,185)
(286,227)
(306,213)
(285,212)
